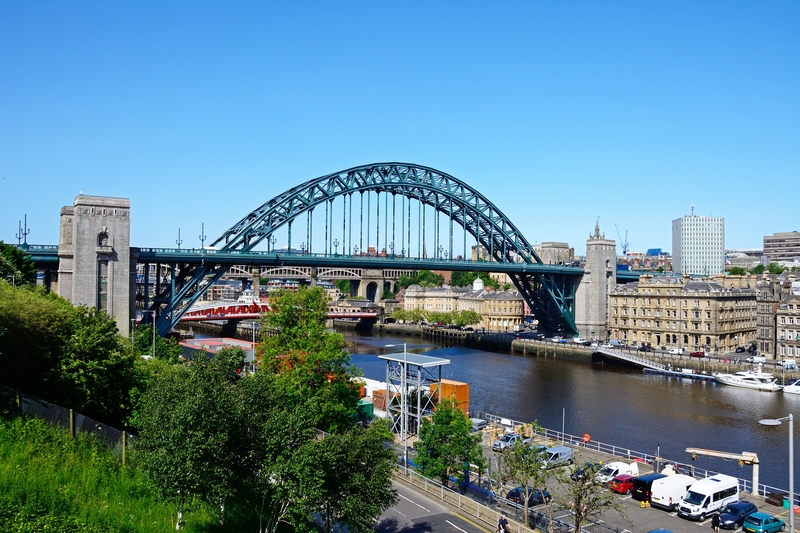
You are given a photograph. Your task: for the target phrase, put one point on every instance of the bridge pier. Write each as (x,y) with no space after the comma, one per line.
(599,279)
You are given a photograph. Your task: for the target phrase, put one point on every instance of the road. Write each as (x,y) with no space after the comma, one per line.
(414,512)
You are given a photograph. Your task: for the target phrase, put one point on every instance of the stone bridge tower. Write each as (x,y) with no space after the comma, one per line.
(94,256)
(599,279)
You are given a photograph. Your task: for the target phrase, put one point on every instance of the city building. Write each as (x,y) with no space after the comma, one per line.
(782,246)
(773,289)
(787,319)
(698,245)
(715,314)
(500,310)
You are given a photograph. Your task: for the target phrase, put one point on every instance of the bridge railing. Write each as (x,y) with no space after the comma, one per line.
(631,358)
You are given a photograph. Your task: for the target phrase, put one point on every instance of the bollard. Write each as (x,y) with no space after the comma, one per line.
(71,423)
(124,442)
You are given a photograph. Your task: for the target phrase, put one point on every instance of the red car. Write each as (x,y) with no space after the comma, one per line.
(623,483)
(697,354)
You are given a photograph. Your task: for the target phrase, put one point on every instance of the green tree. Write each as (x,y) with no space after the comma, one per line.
(344,286)
(775,268)
(425,278)
(758,269)
(586,497)
(387,295)
(446,444)
(166,349)
(356,485)
(467,317)
(15,266)
(308,360)
(465,279)
(525,464)
(737,271)
(400,314)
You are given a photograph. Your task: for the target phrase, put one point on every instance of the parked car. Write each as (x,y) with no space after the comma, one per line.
(645,349)
(538,336)
(676,351)
(763,523)
(623,483)
(585,468)
(733,515)
(506,441)
(756,359)
(697,354)
(789,364)
(536,496)
(740,349)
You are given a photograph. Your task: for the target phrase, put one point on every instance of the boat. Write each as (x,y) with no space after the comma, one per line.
(793,387)
(750,380)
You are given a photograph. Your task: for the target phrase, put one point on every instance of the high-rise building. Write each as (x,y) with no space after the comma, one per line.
(698,245)
(783,246)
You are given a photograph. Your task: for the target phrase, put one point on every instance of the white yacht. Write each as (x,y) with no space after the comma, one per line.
(792,388)
(750,380)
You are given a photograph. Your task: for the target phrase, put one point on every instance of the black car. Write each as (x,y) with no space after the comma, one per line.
(740,349)
(734,514)
(645,349)
(537,497)
(585,468)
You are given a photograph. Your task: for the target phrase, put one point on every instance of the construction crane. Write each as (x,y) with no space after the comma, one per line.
(744,458)
(624,243)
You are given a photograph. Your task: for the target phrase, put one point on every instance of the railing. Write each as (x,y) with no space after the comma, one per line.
(631,358)
(745,485)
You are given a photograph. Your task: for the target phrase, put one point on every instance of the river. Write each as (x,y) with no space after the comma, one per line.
(614,404)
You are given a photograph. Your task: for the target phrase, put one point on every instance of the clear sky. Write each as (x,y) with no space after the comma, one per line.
(559,112)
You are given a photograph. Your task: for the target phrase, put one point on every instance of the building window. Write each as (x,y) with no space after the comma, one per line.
(102,239)
(102,285)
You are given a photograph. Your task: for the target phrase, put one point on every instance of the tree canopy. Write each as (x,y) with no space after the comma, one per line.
(15,266)
(465,279)
(425,278)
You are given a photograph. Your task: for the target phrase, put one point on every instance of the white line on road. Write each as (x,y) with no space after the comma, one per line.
(415,503)
(455,526)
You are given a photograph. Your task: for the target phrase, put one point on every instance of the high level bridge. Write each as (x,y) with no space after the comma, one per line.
(395,216)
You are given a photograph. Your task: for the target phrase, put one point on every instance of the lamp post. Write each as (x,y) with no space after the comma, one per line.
(133,330)
(355,250)
(336,246)
(403,407)
(154,334)
(272,240)
(777,422)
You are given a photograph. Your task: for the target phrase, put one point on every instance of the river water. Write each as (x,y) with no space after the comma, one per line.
(614,404)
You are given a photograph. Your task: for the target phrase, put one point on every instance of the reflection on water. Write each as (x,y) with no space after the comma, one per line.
(614,404)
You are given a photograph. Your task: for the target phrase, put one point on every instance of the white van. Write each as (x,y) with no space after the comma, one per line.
(615,468)
(668,491)
(558,455)
(707,495)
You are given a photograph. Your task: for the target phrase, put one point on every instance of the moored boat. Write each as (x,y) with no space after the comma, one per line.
(792,388)
(750,380)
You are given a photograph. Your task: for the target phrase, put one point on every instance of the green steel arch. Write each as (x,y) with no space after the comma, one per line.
(551,296)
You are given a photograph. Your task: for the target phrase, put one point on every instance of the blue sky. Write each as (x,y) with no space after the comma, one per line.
(559,112)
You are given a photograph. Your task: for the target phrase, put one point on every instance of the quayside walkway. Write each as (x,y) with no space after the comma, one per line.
(630,358)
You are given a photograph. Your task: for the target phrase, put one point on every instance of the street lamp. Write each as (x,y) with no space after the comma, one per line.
(403,407)
(272,240)
(777,422)
(336,246)
(355,250)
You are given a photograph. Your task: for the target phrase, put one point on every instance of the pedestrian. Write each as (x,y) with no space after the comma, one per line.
(502,524)
(715,521)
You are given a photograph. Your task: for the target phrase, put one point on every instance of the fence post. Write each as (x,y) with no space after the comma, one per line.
(124,442)
(71,423)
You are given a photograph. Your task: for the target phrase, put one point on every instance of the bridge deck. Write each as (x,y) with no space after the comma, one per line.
(630,358)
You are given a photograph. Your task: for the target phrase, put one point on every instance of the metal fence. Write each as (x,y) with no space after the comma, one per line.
(745,485)
(18,402)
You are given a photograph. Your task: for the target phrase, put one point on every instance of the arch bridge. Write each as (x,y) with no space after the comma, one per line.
(380,216)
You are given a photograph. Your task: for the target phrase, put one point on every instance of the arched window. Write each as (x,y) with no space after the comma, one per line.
(102,239)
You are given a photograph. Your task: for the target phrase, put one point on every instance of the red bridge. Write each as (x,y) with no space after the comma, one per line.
(243,311)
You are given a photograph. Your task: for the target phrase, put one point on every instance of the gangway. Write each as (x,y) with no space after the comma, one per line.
(744,458)
(634,359)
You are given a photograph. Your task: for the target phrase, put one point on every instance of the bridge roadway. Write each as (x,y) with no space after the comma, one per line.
(630,358)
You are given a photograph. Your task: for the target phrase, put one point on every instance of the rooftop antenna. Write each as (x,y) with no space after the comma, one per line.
(692,209)
(23,235)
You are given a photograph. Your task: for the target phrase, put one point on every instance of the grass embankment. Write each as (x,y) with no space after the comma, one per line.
(52,482)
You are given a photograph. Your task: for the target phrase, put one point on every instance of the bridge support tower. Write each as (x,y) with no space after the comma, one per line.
(371,284)
(599,279)
(96,266)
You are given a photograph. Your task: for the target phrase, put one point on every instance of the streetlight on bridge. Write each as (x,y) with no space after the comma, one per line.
(355,250)
(336,246)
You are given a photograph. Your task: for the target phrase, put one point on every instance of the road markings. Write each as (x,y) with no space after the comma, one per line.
(415,503)
(455,526)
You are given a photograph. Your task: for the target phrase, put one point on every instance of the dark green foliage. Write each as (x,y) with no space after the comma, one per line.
(585,496)
(758,269)
(446,443)
(344,286)
(737,271)
(15,267)
(426,278)
(166,349)
(465,279)
(72,356)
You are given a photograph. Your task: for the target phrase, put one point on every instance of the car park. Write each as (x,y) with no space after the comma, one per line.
(535,497)
(697,354)
(622,484)
(733,515)
(763,523)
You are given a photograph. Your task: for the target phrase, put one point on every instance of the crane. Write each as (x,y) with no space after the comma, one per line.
(744,458)
(624,243)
